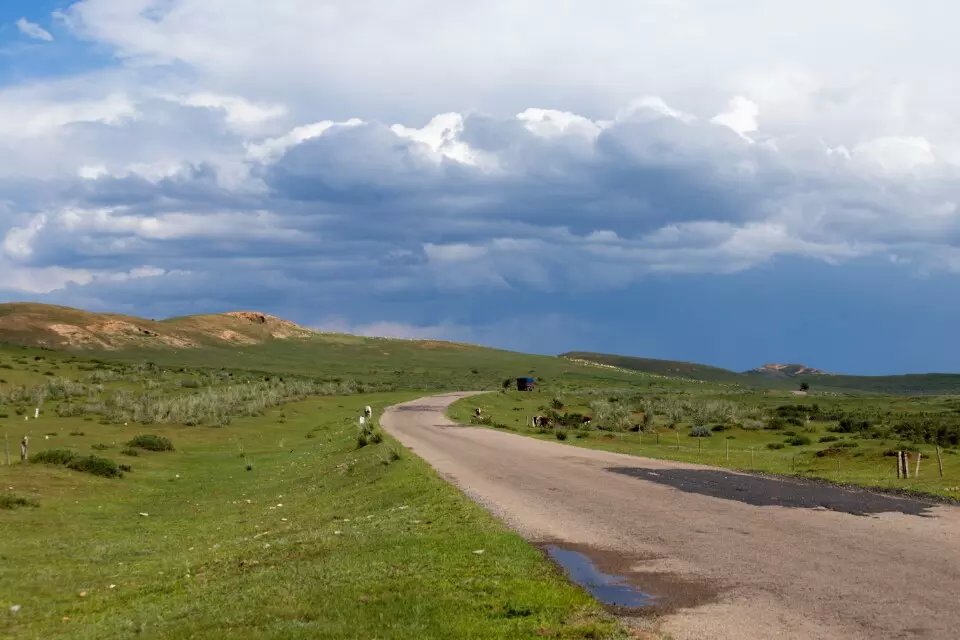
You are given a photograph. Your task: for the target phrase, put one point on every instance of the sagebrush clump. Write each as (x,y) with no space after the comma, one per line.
(151,442)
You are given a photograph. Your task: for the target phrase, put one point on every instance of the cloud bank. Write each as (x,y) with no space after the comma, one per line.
(318,149)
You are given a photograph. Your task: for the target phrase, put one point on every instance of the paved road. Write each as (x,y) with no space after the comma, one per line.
(730,555)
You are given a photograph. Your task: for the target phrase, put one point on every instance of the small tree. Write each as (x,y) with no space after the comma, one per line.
(804,386)
(506,384)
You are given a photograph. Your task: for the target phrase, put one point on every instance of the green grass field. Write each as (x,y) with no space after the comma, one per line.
(789,450)
(317,539)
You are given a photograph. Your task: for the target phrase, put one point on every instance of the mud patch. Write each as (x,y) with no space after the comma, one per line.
(764,491)
(616,581)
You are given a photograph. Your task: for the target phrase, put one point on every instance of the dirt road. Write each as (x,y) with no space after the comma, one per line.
(727,555)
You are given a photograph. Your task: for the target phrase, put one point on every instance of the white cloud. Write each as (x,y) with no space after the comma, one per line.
(33,30)
(740,116)
(896,154)
(272,148)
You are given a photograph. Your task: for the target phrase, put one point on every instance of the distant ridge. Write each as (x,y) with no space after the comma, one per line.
(56,327)
(787,370)
(783,376)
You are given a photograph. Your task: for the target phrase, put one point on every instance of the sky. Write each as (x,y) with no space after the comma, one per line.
(731,183)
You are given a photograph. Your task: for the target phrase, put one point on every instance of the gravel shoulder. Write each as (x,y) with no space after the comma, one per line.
(729,555)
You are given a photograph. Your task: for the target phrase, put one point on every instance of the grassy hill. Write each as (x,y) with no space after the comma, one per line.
(257,342)
(783,376)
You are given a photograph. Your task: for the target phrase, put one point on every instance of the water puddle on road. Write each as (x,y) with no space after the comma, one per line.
(611,590)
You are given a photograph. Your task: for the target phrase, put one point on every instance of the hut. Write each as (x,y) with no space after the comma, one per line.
(525,384)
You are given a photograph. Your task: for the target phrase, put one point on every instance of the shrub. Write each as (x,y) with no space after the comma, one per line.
(799,441)
(53,456)
(77,433)
(151,442)
(362,440)
(556,404)
(847,444)
(775,445)
(720,427)
(829,438)
(125,468)
(96,465)
(376,437)
(13,501)
(99,447)
(561,434)
(700,431)
(130,451)
(829,452)
(775,424)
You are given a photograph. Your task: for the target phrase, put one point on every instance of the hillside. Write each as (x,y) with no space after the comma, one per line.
(55,327)
(259,342)
(784,376)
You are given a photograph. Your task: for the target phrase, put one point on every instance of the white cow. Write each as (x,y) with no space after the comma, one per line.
(368,411)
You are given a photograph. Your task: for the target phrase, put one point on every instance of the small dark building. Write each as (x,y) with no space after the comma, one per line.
(525,384)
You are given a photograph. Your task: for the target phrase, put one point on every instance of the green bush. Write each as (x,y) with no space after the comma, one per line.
(799,441)
(13,501)
(775,445)
(53,456)
(151,442)
(700,431)
(129,451)
(100,446)
(561,434)
(829,438)
(96,465)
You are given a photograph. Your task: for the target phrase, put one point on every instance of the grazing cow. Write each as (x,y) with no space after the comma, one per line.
(368,411)
(586,420)
(541,421)
(24,444)
(477,412)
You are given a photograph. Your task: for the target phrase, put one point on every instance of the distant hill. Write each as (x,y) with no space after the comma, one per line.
(784,376)
(785,370)
(260,342)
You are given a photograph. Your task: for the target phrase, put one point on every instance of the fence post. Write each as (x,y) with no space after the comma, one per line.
(728,449)
(939,461)
(699,445)
(838,466)
(751,456)
(899,464)
(916,472)
(678,441)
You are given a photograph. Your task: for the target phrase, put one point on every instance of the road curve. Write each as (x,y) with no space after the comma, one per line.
(730,555)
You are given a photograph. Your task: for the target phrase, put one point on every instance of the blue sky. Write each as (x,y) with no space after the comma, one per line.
(731,185)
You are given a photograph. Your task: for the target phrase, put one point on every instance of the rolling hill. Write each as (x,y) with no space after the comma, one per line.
(783,376)
(259,342)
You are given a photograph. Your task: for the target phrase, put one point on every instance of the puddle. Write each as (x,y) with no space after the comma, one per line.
(609,589)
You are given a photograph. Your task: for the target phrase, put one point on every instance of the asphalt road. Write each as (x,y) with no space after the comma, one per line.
(726,555)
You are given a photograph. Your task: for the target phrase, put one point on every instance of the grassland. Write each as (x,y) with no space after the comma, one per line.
(275,526)
(747,430)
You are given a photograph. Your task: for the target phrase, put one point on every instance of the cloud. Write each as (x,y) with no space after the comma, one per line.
(33,30)
(237,154)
